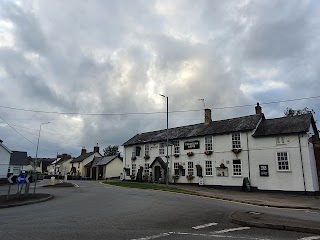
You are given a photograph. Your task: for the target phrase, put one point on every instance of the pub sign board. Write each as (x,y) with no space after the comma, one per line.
(264,170)
(192,145)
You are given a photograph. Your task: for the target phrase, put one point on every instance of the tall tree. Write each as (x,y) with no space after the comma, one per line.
(289,112)
(111,150)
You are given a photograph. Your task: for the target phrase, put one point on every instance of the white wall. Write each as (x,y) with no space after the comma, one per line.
(114,168)
(4,162)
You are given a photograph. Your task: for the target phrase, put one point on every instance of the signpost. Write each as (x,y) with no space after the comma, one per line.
(10,182)
(20,180)
(27,184)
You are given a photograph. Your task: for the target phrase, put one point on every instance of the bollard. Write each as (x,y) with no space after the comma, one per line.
(52,181)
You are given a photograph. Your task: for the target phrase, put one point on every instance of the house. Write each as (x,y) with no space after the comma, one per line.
(5,155)
(18,162)
(42,164)
(273,154)
(79,165)
(60,166)
(109,166)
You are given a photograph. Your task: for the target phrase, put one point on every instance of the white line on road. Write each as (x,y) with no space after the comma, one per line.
(204,225)
(231,230)
(155,236)
(310,238)
(219,236)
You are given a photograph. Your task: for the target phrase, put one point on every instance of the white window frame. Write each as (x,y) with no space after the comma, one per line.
(147,150)
(161,148)
(236,140)
(176,168)
(146,168)
(280,140)
(134,151)
(190,168)
(176,144)
(237,168)
(134,169)
(285,155)
(208,143)
(208,167)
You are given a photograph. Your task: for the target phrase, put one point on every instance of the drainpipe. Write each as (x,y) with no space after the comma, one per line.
(248,156)
(304,180)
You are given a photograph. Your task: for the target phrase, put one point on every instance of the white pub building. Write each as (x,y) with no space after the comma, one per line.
(280,154)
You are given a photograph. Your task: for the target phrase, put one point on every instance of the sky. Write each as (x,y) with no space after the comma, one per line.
(94,68)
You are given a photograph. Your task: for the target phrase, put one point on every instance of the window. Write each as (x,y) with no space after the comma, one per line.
(236,141)
(78,165)
(133,152)
(209,170)
(208,143)
(134,168)
(190,168)
(280,140)
(138,150)
(283,161)
(176,147)
(176,168)
(147,150)
(146,168)
(161,148)
(236,166)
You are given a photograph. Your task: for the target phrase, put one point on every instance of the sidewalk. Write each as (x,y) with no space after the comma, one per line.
(280,200)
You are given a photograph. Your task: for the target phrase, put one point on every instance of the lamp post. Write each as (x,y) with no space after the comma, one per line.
(36,162)
(167,162)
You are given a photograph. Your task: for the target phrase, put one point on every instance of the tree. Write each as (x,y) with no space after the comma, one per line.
(111,150)
(289,112)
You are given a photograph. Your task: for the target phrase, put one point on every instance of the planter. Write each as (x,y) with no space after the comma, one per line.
(146,157)
(175,178)
(190,154)
(237,150)
(176,155)
(133,158)
(190,177)
(180,167)
(208,152)
(222,166)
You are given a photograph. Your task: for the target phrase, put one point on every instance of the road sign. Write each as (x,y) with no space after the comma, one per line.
(21,179)
(27,179)
(10,179)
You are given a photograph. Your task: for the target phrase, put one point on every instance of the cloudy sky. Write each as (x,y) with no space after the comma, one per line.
(84,65)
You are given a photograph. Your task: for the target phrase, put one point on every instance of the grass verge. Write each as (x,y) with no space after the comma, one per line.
(149,186)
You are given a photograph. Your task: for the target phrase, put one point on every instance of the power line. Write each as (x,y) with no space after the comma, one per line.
(148,113)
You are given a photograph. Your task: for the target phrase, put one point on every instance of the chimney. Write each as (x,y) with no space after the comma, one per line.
(207,116)
(96,148)
(83,150)
(258,109)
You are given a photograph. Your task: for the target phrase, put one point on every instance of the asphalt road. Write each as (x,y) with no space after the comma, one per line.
(98,211)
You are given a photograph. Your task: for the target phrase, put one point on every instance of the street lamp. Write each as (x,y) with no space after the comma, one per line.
(36,162)
(167,177)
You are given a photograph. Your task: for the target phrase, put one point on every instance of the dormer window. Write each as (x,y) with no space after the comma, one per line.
(280,140)
(236,143)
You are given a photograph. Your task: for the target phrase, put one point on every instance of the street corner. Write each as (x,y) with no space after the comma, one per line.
(14,200)
(264,220)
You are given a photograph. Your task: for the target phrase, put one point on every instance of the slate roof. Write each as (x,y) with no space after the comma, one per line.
(19,158)
(239,124)
(285,125)
(82,157)
(105,160)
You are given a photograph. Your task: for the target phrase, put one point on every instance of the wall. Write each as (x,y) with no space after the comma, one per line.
(4,162)
(114,168)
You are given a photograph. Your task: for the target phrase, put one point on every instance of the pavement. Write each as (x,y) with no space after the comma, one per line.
(275,200)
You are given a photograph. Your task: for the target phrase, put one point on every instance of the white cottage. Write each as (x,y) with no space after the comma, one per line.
(273,154)
(5,155)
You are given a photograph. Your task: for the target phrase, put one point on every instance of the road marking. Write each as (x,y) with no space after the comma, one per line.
(155,236)
(310,238)
(312,212)
(204,225)
(231,230)
(76,185)
(219,236)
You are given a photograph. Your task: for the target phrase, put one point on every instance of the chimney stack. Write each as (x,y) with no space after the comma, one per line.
(83,150)
(207,116)
(258,109)
(96,149)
